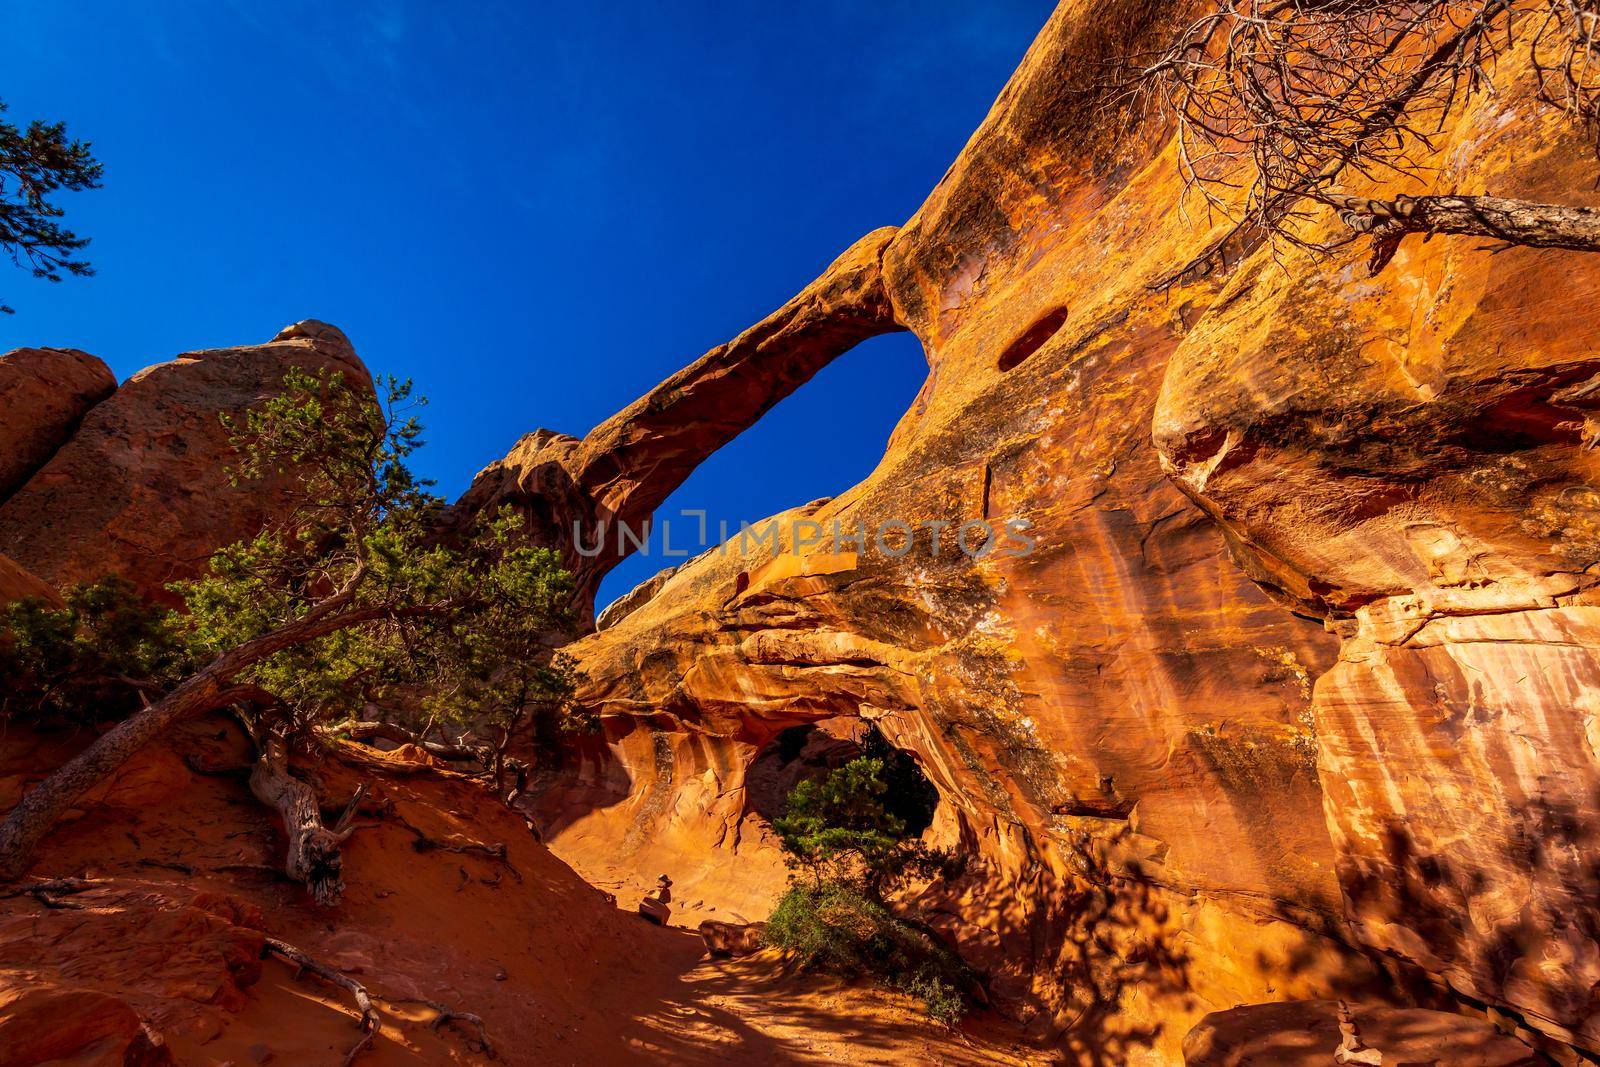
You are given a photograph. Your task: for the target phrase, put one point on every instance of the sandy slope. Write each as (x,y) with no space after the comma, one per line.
(559,973)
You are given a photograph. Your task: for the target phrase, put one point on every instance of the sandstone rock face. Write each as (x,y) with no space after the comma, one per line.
(1295,678)
(1118,721)
(141,490)
(1409,457)
(44,394)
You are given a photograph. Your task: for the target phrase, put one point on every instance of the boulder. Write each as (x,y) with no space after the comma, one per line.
(84,1027)
(142,489)
(44,394)
(732,939)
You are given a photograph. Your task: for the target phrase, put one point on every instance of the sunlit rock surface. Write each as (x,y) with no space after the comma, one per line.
(141,489)
(1290,697)
(44,393)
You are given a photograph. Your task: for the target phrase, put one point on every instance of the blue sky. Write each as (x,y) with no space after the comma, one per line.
(535,210)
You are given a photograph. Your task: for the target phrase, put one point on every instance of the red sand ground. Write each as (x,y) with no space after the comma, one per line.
(559,973)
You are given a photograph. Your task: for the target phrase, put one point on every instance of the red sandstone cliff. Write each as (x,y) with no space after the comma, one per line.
(1292,698)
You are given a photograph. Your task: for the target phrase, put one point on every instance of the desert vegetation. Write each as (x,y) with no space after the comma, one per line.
(847,841)
(350,616)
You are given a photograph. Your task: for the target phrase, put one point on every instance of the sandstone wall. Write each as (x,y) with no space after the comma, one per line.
(141,489)
(1294,690)
(1410,456)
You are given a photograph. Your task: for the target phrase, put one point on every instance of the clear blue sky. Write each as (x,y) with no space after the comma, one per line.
(535,210)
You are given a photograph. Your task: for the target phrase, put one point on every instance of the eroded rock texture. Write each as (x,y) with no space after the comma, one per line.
(1118,722)
(141,489)
(45,393)
(1293,690)
(1409,456)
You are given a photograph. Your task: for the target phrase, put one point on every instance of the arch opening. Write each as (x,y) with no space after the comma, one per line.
(811,751)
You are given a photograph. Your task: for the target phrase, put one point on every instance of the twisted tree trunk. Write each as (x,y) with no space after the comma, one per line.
(211,688)
(1518,222)
(313,849)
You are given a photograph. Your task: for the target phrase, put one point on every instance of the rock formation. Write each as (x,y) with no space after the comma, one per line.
(1281,686)
(1409,458)
(45,393)
(141,489)
(607,485)
(1291,696)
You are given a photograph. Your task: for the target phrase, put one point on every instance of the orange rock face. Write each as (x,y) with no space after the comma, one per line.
(45,393)
(1296,678)
(1409,457)
(1118,721)
(141,490)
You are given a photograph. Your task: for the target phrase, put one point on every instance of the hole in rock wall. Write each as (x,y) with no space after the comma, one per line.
(1033,338)
(803,752)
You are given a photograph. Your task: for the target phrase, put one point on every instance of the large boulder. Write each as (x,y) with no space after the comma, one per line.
(142,489)
(44,394)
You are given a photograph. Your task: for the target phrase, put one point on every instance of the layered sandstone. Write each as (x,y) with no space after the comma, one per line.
(45,393)
(1118,722)
(1410,458)
(1295,683)
(142,490)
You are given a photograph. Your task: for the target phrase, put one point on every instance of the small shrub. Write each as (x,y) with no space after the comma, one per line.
(838,929)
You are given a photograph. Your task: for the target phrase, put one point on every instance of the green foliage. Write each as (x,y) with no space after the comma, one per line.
(839,829)
(848,848)
(34,163)
(459,632)
(457,635)
(836,928)
(908,795)
(86,661)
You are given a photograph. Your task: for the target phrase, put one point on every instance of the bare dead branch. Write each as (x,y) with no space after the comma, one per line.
(1274,99)
(1518,222)
(370,1021)
(51,891)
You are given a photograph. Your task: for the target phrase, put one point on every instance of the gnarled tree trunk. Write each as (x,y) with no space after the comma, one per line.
(313,849)
(211,688)
(1518,222)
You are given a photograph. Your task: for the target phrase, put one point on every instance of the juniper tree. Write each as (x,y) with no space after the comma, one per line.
(350,598)
(36,163)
